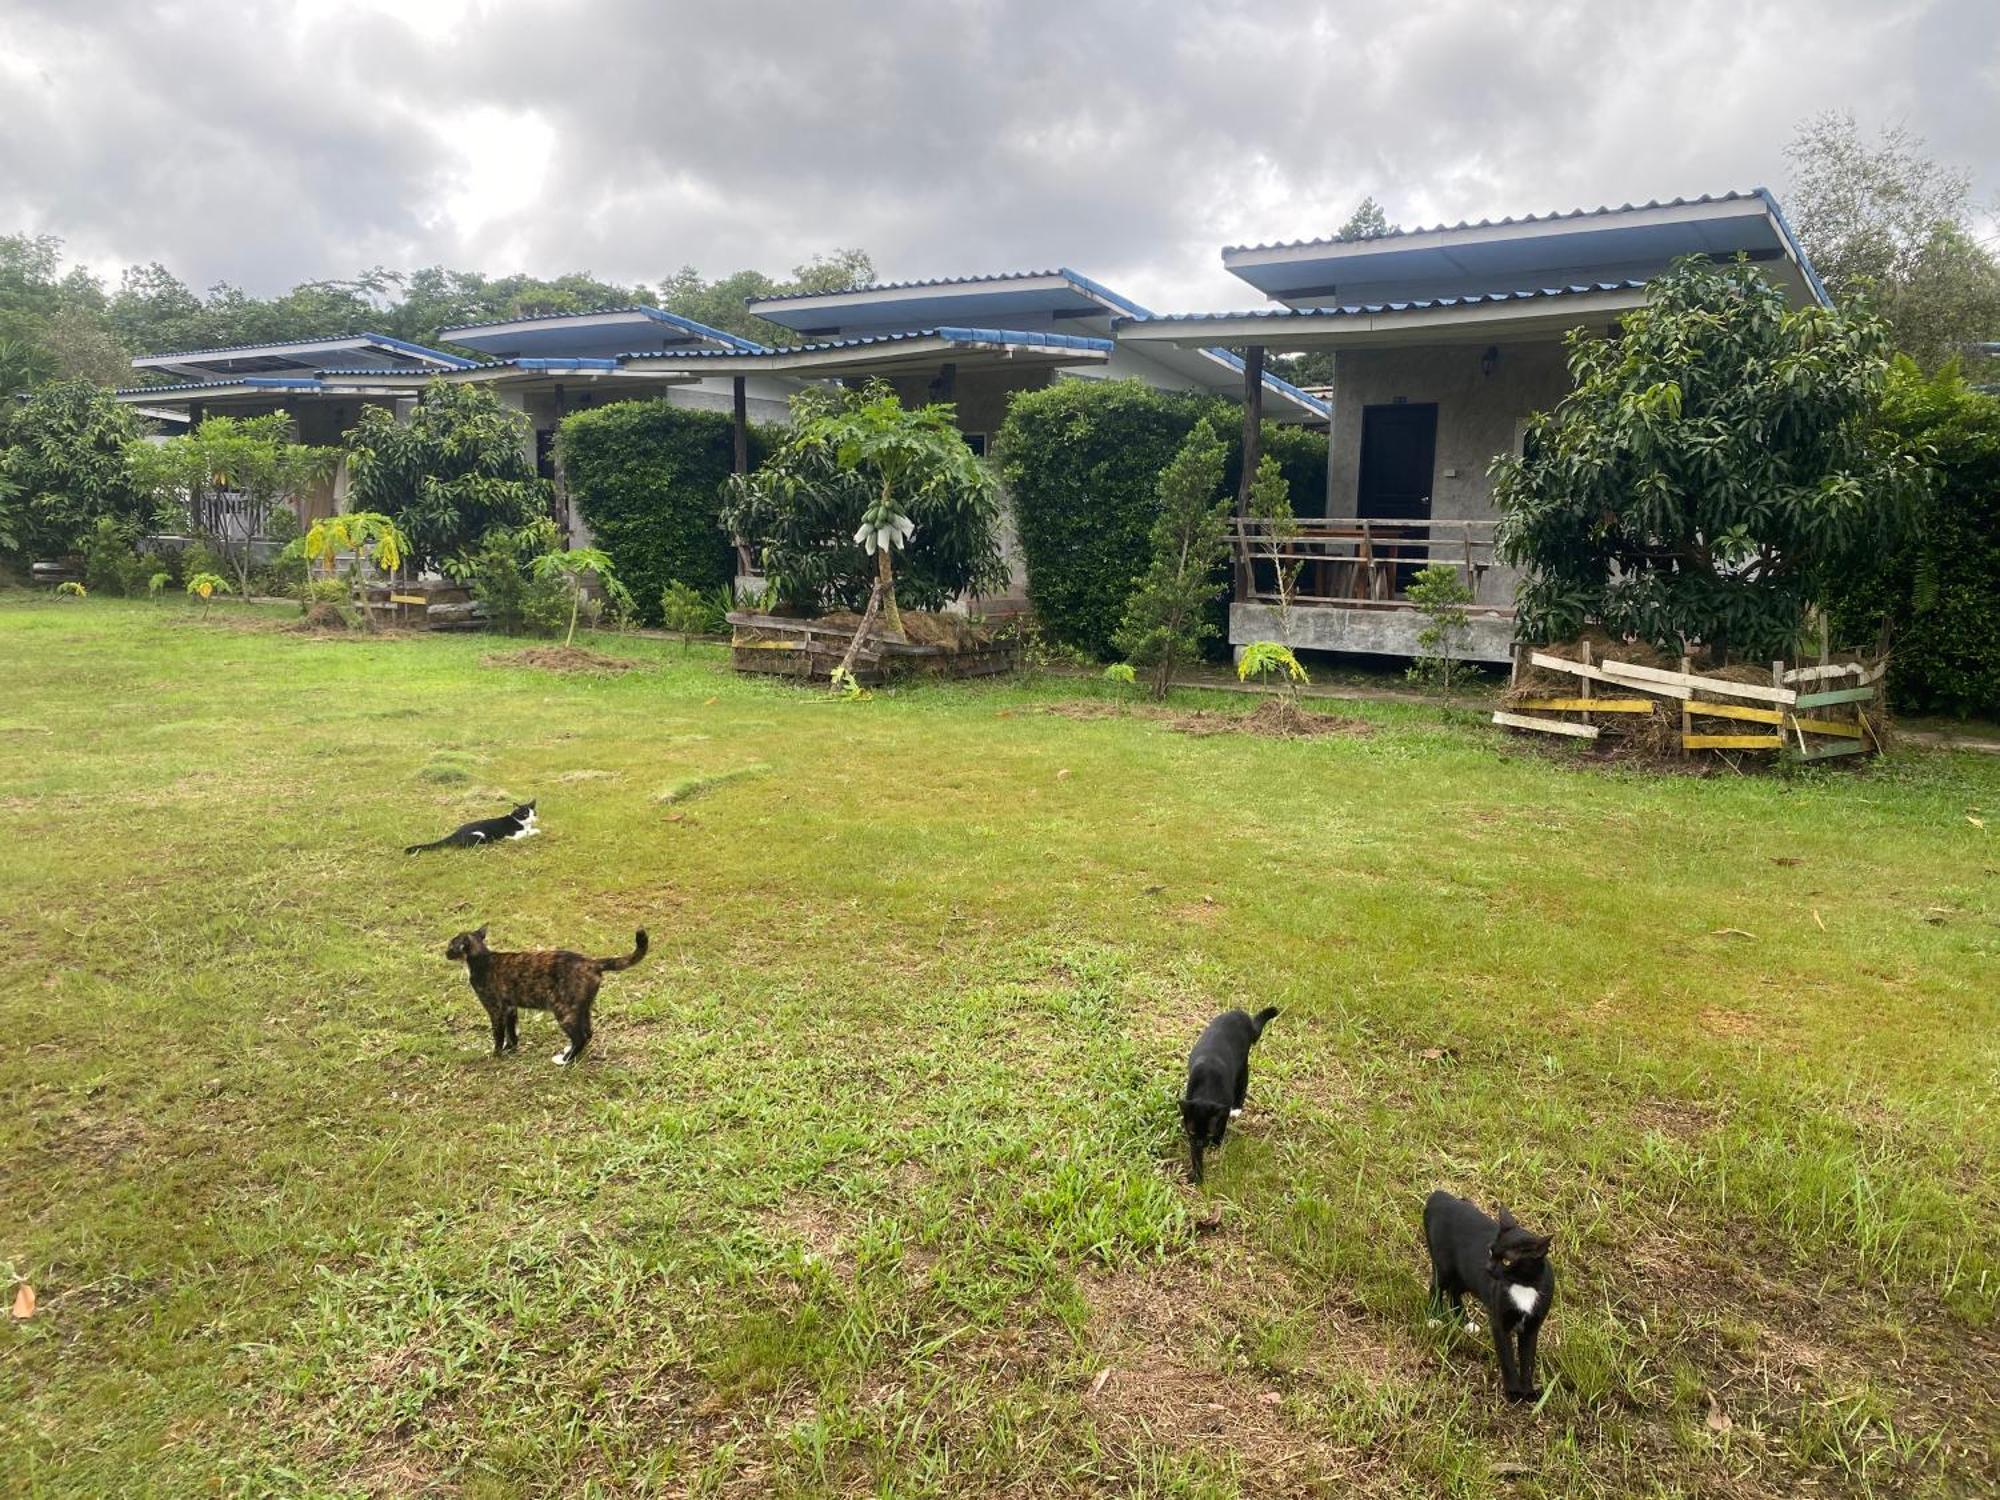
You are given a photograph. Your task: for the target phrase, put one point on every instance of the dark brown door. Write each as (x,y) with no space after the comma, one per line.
(1398,448)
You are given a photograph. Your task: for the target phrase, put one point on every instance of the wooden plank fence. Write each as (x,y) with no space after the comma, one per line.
(1699,700)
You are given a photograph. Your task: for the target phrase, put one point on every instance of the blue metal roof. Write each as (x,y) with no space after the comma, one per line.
(270,382)
(380,340)
(950,335)
(1601,211)
(1372,309)
(672,320)
(1235,362)
(1579,241)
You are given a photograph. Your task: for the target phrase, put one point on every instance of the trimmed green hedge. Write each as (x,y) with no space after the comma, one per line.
(647,477)
(1082,461)
(1941,592)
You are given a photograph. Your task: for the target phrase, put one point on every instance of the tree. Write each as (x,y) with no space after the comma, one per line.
(1441,596)
(1164,618)
(1271,505)
(1368,222)
(66,465)
(855,457)
(1937,594)
(363,534)
(457,469)
(1710,471)
(1888,217)
(205,586)
(719,304)
(573,570)
(228,476)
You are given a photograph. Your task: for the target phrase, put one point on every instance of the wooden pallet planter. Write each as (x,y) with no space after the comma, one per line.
(427,604)
(1817,711)
(809,650)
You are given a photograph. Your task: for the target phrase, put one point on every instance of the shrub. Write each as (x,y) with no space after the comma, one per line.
(689,612)
(457,469)
(111,565)
(647,477)
(1710,473)
(1082,461)
(64,467)
(501,575)
(1937,595)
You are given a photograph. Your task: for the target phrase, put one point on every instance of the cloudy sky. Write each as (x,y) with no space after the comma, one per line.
(268,143)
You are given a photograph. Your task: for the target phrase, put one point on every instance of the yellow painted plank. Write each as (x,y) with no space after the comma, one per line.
(1829,726)
(1736,711)
(1590,705)
(1731,741)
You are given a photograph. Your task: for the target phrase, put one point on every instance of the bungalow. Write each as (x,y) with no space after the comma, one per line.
(1445,340)
(324,383)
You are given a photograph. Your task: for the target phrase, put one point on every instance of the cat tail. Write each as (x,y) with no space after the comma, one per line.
(611,965)
(434,844)
(1264,1018)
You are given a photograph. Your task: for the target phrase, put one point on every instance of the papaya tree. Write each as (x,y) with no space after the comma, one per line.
(573,570)
(360,534)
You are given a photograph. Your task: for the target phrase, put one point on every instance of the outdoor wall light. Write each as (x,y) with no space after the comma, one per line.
(1490,360)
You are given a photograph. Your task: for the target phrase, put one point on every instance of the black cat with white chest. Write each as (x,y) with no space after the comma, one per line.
(1505,1267)
(518,824)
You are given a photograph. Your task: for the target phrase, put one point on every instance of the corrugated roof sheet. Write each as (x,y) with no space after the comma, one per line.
(1601,211)
(658,315)
(1371,309)
(382,339)
(952,335)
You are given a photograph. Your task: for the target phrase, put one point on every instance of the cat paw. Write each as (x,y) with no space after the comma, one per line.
(1234,1113)
(561,1059)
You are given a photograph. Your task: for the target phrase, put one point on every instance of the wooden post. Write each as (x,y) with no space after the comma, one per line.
(1687,718)
(1253,441)
(740,418)
(1583,682)
(740,410)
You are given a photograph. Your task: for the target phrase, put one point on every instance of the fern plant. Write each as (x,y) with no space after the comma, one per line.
(70,590)
(1268,660)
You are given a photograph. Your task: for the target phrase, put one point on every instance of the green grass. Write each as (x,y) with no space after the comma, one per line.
(871,1184)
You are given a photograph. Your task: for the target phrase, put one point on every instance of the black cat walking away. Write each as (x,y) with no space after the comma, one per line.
(1218,1078)
(1505,1267)
(518,824)
(555,980)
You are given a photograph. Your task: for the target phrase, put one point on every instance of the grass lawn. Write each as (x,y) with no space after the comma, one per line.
(872,1183)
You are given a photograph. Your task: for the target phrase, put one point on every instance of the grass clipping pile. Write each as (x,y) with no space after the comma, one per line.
(561,659)
(1630,701)
(1277,718)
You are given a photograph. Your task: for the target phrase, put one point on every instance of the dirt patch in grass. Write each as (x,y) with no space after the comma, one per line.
(1274,718)
(561,659)
(1150,1380)
(1089,708)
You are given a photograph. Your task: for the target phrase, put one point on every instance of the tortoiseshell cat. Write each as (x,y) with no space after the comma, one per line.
(552,979)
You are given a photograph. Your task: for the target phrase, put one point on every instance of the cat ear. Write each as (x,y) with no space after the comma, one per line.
(1505,1219)
(480,933)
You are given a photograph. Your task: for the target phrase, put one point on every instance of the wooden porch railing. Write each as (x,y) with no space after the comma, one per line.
(1366,564)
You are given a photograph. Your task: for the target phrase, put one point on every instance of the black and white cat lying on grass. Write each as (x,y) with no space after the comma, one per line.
(518,824)
(1501,1264)
(1218,1078)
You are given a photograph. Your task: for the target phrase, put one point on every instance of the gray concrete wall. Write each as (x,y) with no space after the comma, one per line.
(1478,414)
(1376,632)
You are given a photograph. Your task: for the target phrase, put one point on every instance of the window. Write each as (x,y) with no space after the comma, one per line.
(976,441)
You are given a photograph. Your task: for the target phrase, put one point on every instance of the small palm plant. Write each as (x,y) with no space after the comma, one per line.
(70,590)
(157,584)
(205,586)
(573,569)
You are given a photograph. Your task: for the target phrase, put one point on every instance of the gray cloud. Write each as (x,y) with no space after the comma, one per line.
(266,144)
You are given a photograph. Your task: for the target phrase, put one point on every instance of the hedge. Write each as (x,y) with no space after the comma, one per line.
(1082,458)
(1941,593)
(646,477)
